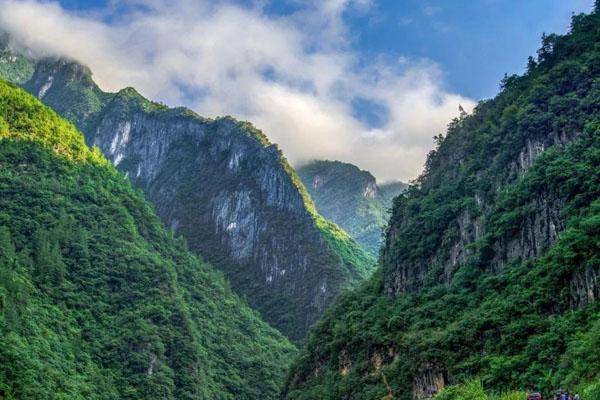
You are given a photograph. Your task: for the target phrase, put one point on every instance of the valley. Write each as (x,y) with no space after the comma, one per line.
(148,252)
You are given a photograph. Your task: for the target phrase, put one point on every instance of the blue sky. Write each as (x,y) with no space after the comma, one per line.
(363,81)
(475,42)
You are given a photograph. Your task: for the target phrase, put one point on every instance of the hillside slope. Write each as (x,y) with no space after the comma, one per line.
(222,185)
(97,299)
(491,262)
(351,198)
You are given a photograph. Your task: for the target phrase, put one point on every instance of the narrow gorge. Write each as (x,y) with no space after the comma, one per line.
(148,252)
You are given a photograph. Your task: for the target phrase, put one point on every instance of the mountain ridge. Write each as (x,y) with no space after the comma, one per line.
(227,199)
(351,198)
(96,297)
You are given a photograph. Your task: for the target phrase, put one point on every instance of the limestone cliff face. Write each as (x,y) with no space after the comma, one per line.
(428,382)
(119,308)
(535,233)
(220,184)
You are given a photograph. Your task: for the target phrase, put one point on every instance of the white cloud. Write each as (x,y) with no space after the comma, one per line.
(293,76)
(431,10)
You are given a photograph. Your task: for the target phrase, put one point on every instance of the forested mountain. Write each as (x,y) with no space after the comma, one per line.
(351,198)
(14,66)
(218,182)
(97,299)
(491,262)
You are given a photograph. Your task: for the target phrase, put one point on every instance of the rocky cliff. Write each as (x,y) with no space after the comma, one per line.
(97,299)
(222,185)
(491,260)
(352,199)
(467,217)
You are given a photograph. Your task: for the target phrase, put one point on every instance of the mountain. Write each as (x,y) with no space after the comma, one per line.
(14,66)
(222,185)
(491,263)
(351,198)
(97,299)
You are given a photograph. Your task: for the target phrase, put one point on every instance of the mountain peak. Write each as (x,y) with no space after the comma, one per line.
(91,282)
(351,198)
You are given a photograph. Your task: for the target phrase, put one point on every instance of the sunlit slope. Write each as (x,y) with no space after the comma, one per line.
(97,299)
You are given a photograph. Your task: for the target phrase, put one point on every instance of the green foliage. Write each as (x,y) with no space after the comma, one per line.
(473,390)
(97,299)
(35,122)
(3,127)
(14,67)
(340,192)
(253,131)
(360,263)
(582,352)
(69,88)
(516,322)
(592,391)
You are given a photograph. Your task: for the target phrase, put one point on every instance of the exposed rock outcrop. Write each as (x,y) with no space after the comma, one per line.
(534,234)
(585,287)
(428,382)
(490,263)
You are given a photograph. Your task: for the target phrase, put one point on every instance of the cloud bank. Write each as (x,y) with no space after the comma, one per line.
(296,75)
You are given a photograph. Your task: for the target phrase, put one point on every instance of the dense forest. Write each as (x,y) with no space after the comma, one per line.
(97,299)
(488,279)
(489,274)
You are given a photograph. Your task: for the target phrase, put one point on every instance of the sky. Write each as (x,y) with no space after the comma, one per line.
(362,81)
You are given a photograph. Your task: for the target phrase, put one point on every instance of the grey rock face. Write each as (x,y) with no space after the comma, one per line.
(232,200)
(536,232)
(428,382)
(585,287)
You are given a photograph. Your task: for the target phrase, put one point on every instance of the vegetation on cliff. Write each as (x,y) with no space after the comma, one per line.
(492,259)
(282,256)
(14,67)
(352,199)
(97,299)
